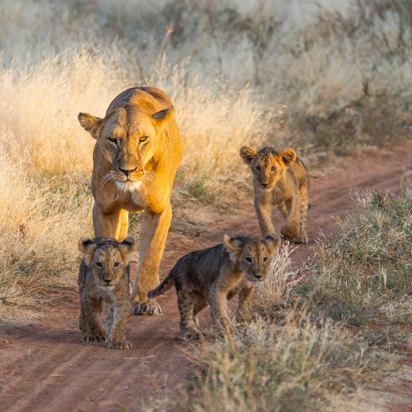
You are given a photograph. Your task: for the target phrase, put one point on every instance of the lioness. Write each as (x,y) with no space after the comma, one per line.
(279,179)
(137,152)
(215,275)
(103,278)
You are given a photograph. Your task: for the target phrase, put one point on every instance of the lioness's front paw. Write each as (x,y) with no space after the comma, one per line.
(118,344)
(146,308)
(94,337)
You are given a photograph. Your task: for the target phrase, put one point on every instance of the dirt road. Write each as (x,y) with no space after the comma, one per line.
(44,367)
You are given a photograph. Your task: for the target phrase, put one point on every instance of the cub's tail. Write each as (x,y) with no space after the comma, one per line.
(163,287)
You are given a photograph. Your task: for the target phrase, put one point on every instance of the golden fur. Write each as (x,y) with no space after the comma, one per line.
(214,275)
(280,179)
(137,152)
(103,278)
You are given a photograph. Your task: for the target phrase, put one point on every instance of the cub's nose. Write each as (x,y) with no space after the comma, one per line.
(127,171)
(265,184)
(258,276)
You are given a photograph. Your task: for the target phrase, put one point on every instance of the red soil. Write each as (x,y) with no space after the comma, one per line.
(44,366)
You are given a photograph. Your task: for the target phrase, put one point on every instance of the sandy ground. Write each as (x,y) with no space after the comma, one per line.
(45,367)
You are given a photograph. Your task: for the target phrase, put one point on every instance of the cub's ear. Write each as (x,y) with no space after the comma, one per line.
(232,244)
(247,154)
(288,156)
(127,247)
(162,117)
(272,242)
(87,247)
(90,123)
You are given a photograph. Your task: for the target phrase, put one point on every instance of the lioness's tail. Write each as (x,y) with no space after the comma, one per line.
(163,287)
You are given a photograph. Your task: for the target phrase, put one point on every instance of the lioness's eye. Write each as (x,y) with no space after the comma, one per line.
(113,140)
(273,168)
(248,259)
(258,168)
(143,138)
(116,264)
(265,259)
(99,264)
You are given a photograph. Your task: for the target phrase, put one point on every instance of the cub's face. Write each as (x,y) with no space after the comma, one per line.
(252,256)
(107,259)
(128,138)
(267,165)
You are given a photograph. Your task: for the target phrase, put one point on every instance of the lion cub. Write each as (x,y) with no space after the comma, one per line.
(214,275)
(279,179)
(103,278)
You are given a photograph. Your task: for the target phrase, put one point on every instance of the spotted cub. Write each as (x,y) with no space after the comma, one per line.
(279,179)
(214,275)
(103,278)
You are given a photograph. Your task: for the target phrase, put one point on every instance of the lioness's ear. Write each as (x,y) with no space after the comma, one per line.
(162,117)
(127,247)
(247,154)
(232,244)
(87,247)
(90,123)
(272,242)
(288,156)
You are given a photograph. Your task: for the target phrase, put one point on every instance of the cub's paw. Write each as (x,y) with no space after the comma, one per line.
(146,308)
(82,323)
(94,337)
(191,334)
(301,240)
(118,344)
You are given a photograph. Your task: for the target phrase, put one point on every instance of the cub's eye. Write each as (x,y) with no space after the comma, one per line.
(265,259)
(258,168)
(116,264)
(248,259)
(99,264)
(273,169)
(143,138)
(112,139)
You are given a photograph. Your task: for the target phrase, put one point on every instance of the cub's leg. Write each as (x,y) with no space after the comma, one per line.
(291,226)
(246,295)
(185,302)
(283,209)
(82,321)
(92,309)
(218,309)
(117,333)
(199,305)
(304,204)
(109,318)
(263,212)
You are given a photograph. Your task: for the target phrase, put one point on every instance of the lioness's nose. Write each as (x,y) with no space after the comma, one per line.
(127,172)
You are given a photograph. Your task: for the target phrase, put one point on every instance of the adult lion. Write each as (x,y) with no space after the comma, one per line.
(137,152)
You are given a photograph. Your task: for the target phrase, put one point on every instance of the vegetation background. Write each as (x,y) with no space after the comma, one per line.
(325,77)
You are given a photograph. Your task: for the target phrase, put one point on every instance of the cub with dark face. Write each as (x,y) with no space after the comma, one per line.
(214,275)
(103,278)
(279,179)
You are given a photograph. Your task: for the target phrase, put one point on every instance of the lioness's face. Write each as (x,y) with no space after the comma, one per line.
(128,138)
(267,165)
(252,256)
(107,259)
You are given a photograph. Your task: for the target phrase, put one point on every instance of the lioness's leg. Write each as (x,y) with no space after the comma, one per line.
(263,211)
(246,296)
(122,225)
(92,310)
(153,234)
(117,333)
(291,226)
(105,224)
(304,204)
